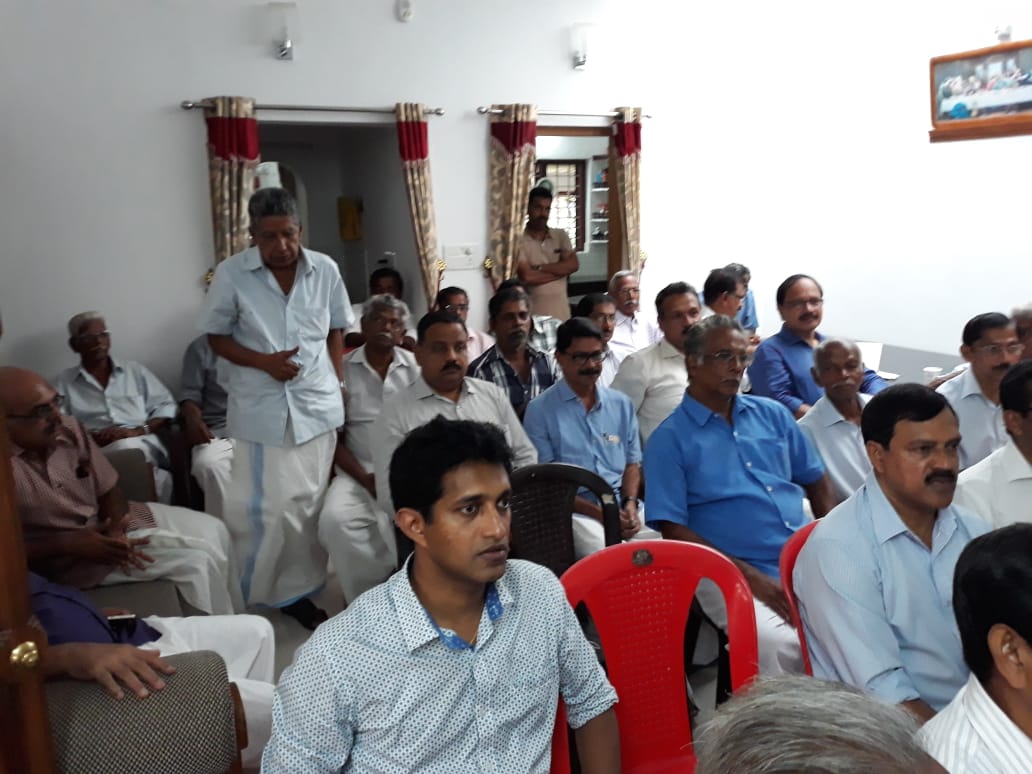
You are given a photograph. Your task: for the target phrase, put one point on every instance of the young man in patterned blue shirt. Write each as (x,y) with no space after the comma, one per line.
(456,663)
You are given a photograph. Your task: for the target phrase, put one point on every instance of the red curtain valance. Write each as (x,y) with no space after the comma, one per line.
(413,142)
(513,135)
(627,137)
(232,137)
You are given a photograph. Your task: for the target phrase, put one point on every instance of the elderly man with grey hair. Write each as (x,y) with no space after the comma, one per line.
(352,526)
(730,471)
(633,331)
(274,316)
(120,402)
(833,423)
(1022,316)
(797,724)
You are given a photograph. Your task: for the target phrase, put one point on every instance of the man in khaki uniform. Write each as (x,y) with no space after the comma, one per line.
(545,258)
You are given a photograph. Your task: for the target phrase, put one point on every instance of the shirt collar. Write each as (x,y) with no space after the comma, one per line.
(701,414)
(252,260)
(492,353)
(1013,463)
(668,350)
(359,356)
(566,393)
(887,523)
(969,385)
(622,318)
(791,337)
(990,723)
(423,390)
(82,373)
(826,413)
(418,628)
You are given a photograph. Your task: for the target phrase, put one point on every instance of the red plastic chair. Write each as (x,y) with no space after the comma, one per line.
(639,595)
(789,554)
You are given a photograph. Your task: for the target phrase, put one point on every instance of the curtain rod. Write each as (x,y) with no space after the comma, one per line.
(201,104)
(484,111)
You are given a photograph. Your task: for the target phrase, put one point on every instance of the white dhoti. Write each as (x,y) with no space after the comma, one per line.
(589,535)
(154,450)
(358,535)
(192,550)
(247,644)
(777,641)
(272,510)
(211,464)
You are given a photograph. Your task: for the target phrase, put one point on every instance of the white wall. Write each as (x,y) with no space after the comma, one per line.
(789,136)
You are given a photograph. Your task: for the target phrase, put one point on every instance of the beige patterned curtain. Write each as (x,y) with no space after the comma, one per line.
(627,153)
(413,143)
(510,177)
(232,166)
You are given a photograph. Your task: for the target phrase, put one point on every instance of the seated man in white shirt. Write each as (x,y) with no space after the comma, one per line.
(383,281)
(991,346)
(120,402)
(356,532)
(987,728)
(999,488)
(633,330)
(656,377)
(833,423)
(600,308)
(453,299)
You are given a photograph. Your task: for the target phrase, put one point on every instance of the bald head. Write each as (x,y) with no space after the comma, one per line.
(821,353)
(30,406)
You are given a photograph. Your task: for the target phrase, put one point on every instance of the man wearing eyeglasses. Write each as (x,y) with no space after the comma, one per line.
(456,300)
(729,471)
(122,404)
(991,346)
(633,330)
(781,365)
(578,422)
(723,292)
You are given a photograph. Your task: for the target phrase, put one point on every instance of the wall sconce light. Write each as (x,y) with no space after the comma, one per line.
(283,29)
(580,34)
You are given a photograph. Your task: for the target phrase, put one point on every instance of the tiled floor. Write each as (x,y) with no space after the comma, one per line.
(290,635)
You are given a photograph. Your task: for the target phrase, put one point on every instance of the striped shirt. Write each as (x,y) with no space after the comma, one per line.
(544,332)
(492,367)
(62,493)
(972,735)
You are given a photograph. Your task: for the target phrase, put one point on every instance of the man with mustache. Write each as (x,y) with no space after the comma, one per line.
(523,371)
(457,662)
(633,330)
(581,423)
(655,378)
(442,389)
(833,423)
(351,524)
(384,281)
(120,402)
(875,578)
(781,364)
(80,530)
(545,258)
(542,327)
(600,308)
(991,346)
(455,299)
(730,471)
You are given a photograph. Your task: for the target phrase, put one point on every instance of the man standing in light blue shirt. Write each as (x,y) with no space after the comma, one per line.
(120,402)
(729,471)
(457,662)
(781,365)
(875,578)
(580,423)
(274,315)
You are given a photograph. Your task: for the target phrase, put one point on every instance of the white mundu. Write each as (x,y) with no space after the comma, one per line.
(655,379)
(999,488)
(840,444)
(355,530)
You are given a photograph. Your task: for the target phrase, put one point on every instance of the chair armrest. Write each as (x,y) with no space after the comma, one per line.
(187,727)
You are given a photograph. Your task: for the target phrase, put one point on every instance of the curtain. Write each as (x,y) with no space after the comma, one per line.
(415,162)
(232,168)
(510,177)
(627,152)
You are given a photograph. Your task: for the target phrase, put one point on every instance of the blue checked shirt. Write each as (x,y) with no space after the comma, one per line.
(492,367)
(381,688)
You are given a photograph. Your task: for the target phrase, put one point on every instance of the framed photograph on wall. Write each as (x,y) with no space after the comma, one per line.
(983,93)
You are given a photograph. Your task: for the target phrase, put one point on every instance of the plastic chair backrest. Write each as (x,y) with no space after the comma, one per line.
(786,563)
(639,596)
(542,511)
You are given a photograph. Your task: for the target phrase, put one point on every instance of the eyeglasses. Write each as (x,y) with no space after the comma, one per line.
(725,358)
(93,338)
(804,303)
(42,411)
(995,350)
(456,307)
(633,291)
(583,357)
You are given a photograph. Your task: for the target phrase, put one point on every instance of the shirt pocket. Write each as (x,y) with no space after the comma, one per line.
(127,409)
(769,454)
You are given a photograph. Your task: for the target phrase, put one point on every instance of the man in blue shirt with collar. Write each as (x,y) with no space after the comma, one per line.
(781,365)
(578,422)
(729,471)
(875,578)
(457,662)
(274,315)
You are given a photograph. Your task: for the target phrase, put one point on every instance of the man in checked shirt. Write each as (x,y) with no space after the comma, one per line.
(79,529)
